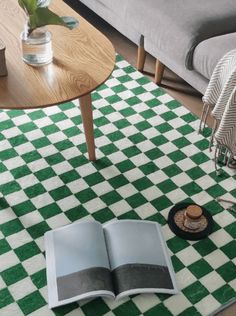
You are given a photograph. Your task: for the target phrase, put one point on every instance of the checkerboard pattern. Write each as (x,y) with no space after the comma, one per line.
(149,158)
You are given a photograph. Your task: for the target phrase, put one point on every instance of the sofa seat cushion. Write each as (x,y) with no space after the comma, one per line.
(177,27)
(209,52)
(118,7)
(113,12)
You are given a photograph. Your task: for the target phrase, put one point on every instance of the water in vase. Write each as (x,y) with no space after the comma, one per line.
(37,47)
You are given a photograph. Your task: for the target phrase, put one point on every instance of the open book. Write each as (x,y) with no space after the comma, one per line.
(120,258)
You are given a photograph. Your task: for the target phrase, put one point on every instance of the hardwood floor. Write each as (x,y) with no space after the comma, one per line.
(174,85)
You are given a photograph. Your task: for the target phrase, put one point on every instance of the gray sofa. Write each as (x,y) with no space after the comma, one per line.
(187,36)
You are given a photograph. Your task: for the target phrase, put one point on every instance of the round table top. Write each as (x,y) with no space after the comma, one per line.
(83,59)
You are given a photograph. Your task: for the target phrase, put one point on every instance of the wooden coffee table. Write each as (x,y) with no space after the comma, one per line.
(83,60)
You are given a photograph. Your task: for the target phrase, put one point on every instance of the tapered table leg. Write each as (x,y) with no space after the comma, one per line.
(87,117)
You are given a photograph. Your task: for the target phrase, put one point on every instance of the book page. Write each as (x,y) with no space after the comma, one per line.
(138,258)
(77,263)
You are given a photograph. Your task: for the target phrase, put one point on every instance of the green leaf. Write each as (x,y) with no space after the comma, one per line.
(71,22)
(28,5)
(44,16)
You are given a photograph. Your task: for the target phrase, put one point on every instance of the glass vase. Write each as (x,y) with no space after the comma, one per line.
(37,47)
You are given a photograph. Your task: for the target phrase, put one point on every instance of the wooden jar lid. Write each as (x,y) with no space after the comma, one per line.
(194,211)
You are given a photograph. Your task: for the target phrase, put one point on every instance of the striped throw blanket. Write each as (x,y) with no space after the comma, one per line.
(220,97)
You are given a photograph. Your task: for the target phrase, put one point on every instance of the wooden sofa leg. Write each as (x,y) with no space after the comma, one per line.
(159,71)
(141,58)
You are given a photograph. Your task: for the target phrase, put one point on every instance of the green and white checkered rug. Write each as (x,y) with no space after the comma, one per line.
(149,158)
